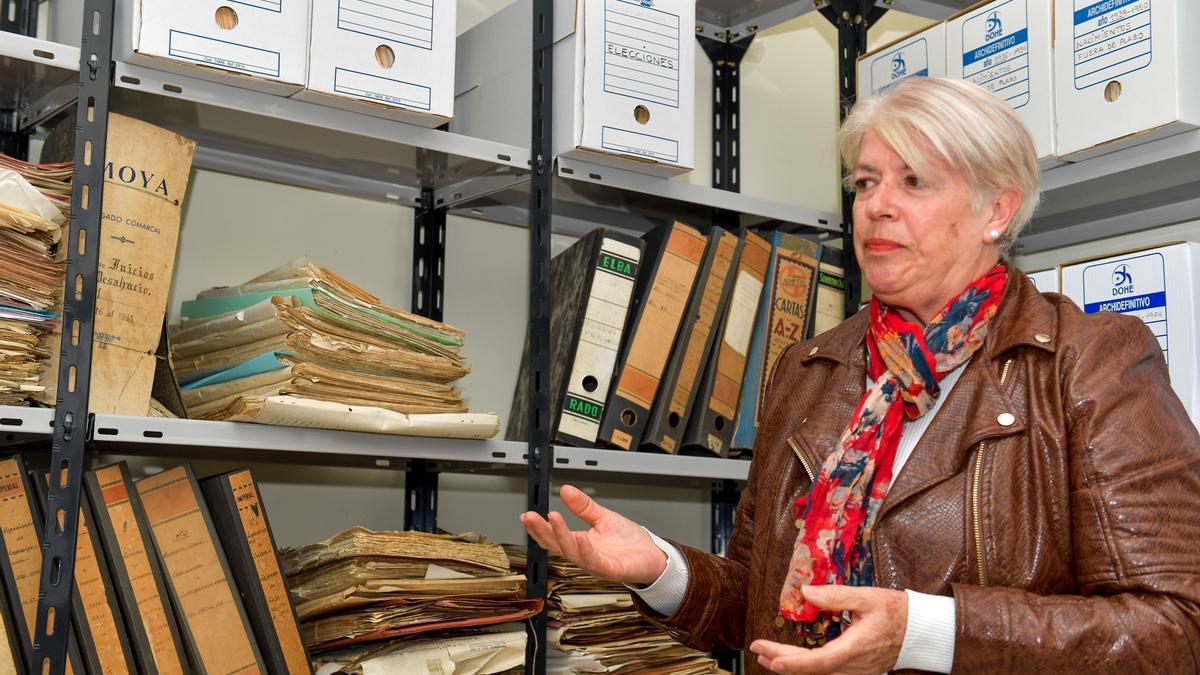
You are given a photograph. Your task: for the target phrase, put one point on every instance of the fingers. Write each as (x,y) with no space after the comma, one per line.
(540,530)
(582,505)
(839,598)
(564,537)
(782,658)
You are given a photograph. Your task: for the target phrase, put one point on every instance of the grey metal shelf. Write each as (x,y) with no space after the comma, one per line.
(199,439)
(254,134)
(735,19)
(587,196)
(1129,190)
(37,78)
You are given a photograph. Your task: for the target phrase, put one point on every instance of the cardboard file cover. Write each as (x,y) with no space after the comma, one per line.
(783,318)
(95,612)
(677,395)
(593,284)
(240,519)
(217,635)
(125,533)
(830,307)
(11,661)
(21,559)
(711,422)
(675,252)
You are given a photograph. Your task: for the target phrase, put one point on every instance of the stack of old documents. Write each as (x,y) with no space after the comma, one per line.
(302,346)
(34,200)
(409,602)
(594,628)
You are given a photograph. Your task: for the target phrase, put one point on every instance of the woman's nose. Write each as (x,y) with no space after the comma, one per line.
(880,201)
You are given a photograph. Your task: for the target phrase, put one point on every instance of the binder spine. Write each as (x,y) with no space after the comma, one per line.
(21,560)
(678,394)
(712,425)
(133,564)
(95,613)
(598,342)
(217,634)
(651,338)
(241,523)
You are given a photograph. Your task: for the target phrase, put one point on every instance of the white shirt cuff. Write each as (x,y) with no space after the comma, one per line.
(665,595)
(929,638)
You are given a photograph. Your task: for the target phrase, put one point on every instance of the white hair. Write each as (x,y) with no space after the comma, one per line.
(935,121)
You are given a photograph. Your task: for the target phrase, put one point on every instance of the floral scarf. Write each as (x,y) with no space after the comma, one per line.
(836,517)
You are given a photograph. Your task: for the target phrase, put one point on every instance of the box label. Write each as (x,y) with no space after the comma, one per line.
(269,5)
(996,51)
(408,22)
(905,61)
(1136,286)
(641,52)
(635,143)
(223,54)
(1111,38)
(374,88)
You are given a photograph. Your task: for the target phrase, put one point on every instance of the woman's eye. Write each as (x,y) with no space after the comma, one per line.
(863,184)
(914,181)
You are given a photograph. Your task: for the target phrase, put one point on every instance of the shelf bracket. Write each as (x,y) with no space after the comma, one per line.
(428,284)
(72,423)
(852,18)
(726,54)
(420,496)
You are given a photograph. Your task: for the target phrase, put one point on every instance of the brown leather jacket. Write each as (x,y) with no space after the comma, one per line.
(1055,496)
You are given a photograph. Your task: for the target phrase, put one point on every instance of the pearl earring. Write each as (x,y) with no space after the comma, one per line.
(994,235)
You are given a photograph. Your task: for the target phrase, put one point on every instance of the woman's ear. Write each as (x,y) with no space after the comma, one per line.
(1000,209)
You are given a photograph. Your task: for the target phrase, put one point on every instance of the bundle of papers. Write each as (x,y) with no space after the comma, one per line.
(302,346)
(488,651)
(594,628)
(375,602)
(32,267)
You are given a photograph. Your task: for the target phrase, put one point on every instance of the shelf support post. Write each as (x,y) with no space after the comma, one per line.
(725,497)
(428,284)
(725,53)
(852,18)
(73,423)
(541,454)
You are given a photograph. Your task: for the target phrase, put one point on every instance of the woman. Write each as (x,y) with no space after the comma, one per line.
(967,474)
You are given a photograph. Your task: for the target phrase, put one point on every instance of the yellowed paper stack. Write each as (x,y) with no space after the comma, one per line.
(371,602)
(33,221)
(594,628)
(302,346)
(146,175)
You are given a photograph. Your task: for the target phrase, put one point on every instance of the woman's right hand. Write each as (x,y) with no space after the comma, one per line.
(614,549)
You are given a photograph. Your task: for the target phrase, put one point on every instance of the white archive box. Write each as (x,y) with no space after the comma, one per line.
(624,81)
(1159,286)
(1046,281)
(1007,47)
(922,54)
(1125,73)
(387,58)
(254,44)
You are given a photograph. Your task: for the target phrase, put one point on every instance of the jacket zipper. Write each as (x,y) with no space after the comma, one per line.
(975,492)
(812,476)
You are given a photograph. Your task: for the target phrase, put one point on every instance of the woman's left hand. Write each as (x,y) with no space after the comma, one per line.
(870,645)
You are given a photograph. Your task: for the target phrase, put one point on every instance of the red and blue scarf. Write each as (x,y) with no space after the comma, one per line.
(906,363)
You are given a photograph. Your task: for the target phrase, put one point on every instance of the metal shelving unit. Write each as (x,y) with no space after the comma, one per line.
(436,172)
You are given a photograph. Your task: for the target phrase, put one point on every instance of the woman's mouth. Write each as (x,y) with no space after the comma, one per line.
(879,245)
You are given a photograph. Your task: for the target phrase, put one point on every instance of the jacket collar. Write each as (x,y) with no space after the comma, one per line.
(1025,319)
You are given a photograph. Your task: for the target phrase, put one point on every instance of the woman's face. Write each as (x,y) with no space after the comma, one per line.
(918,239)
